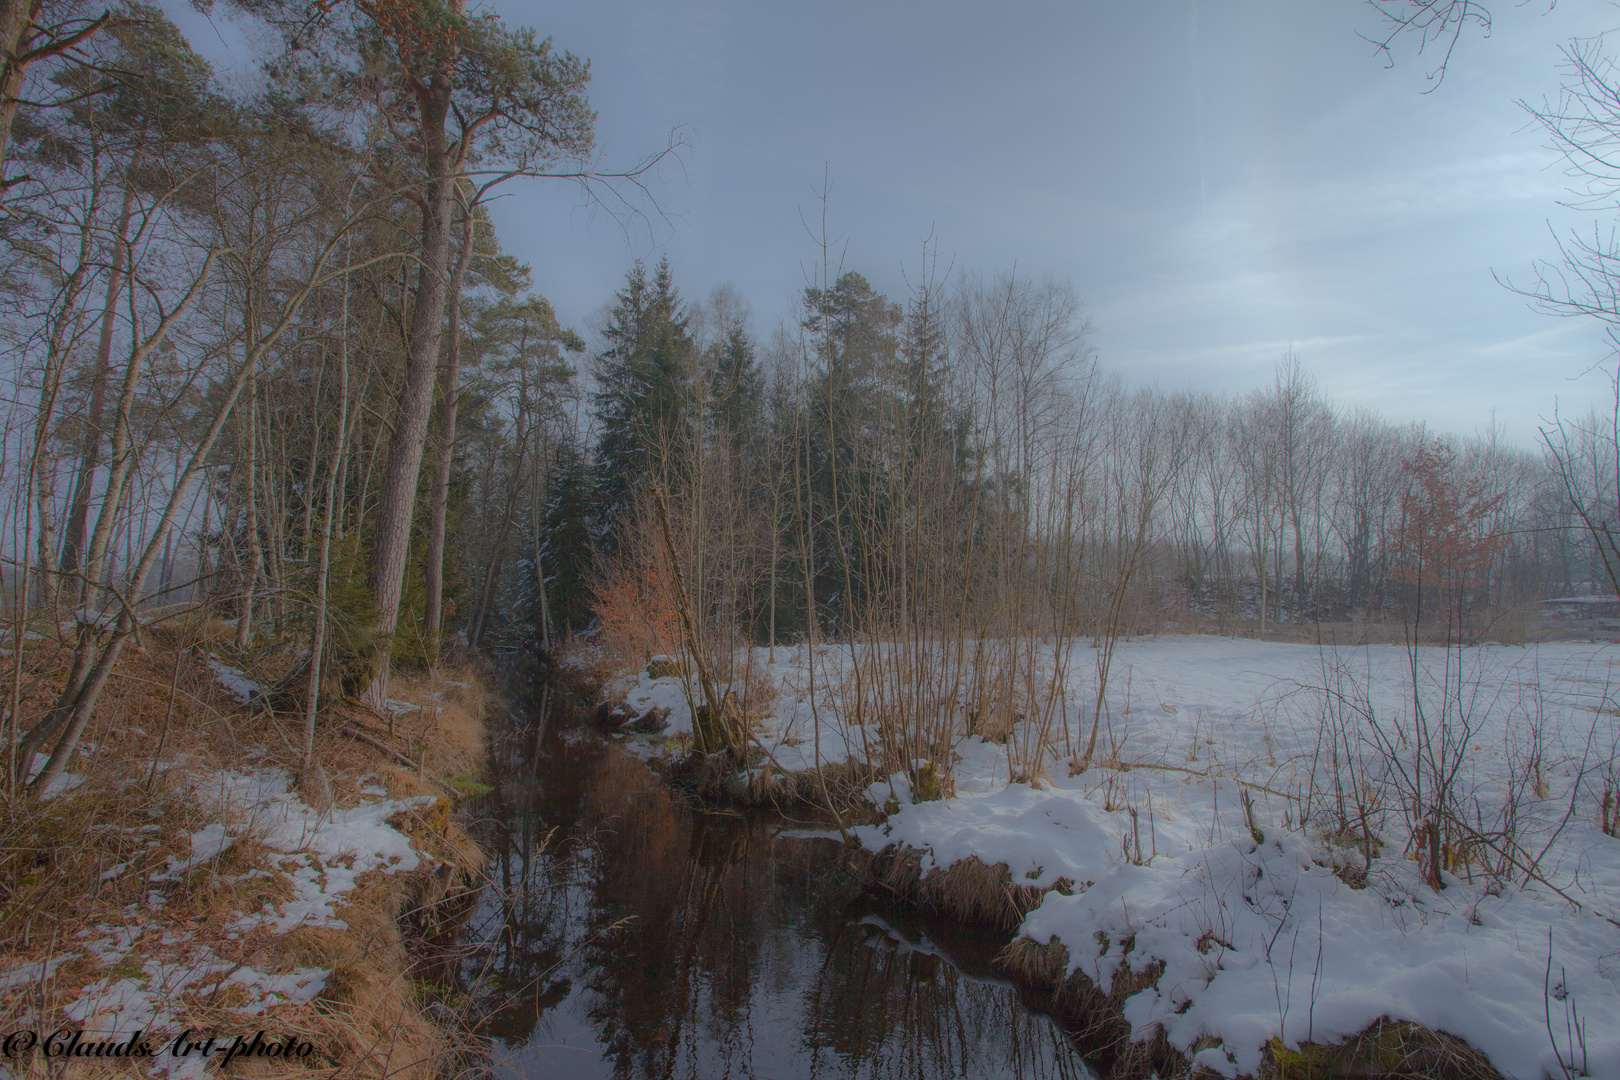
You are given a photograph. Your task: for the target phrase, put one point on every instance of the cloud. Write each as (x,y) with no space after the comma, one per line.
(1273,348)
(1533,344)
(1298,212)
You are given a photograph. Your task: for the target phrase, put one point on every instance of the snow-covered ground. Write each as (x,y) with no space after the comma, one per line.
(321,854)
(1270,939)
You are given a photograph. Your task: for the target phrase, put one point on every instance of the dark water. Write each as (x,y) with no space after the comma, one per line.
(630,936)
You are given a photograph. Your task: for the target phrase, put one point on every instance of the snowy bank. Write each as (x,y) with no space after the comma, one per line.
(1185,854)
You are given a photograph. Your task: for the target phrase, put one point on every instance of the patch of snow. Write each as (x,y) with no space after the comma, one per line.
(329,850)
(29,974)
(324,854)
(99,620)
(63,783)
(236,684)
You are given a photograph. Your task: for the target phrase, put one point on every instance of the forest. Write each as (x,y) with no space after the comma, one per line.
(270,369)
(269,352)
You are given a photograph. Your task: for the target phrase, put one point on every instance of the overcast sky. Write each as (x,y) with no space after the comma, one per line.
(1219,180)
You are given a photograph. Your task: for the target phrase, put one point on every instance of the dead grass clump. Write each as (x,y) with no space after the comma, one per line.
(971,890)
(1094,1018)
(968,889)
(1029,962)
(843,784)
(717,779)
(1389,1049)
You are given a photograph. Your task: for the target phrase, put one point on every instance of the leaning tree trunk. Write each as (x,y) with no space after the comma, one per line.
(73,533)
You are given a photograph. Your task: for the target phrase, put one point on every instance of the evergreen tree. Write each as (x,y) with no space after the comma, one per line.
(855,334)
(734,388)
(565,553)
(644,391)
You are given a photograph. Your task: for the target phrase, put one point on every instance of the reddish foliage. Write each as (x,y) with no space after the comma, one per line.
(1444,540)
(636,605)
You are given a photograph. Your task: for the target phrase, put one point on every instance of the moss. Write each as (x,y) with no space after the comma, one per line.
(925,787)
(1309,1062)
(664,667)
(469,788)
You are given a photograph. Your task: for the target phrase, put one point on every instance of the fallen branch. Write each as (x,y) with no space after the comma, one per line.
(355,733)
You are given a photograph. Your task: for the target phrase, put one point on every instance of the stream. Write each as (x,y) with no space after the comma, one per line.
(627,934)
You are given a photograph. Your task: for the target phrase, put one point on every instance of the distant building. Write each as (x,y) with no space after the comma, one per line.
(1581,607)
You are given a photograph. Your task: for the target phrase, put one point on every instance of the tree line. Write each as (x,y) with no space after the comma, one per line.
(266,355)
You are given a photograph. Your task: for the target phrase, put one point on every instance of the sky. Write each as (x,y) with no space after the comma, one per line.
(1220,181)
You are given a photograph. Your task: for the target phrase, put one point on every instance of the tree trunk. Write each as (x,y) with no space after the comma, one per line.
(1299,561)
(73,532)
(433,573)
(44,468)
(396,503)
(16,35)
(250,496)
(20,47)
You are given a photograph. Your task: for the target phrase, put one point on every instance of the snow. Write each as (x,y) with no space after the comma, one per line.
(789,731)
(97,620)
(324,854)
(29,974)
(329,850)
(238,685)
(148,1001)
(1262,940)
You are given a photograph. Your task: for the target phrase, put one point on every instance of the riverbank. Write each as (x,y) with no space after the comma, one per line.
(1167,897)
(187,876)
(629,931)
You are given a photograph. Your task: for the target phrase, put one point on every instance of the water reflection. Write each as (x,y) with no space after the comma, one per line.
(632,937)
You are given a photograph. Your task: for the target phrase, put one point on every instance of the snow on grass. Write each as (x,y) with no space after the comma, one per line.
(236,684)
(800,712)
(330,850)
(1262,940)
(148,997)
(147,977)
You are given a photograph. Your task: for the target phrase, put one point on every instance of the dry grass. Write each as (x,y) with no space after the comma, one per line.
(90,864)
(1389,1049)
(837,787)
(967,890)
(1094,1018)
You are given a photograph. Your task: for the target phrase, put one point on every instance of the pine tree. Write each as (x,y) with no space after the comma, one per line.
(734,388)
(565,554)
(855,336)
(644,390)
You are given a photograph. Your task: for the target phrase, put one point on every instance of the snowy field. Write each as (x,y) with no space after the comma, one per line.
(1267,927)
